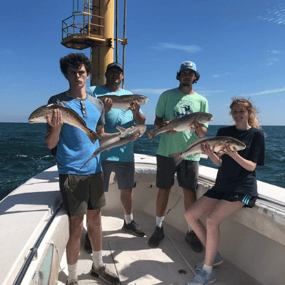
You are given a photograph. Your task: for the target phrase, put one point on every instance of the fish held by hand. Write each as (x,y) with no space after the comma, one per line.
(124,101)
(124,137)
(70,117)
(216,143)
(181,124)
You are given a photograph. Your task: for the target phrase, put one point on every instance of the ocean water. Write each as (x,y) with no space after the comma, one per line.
(23,154)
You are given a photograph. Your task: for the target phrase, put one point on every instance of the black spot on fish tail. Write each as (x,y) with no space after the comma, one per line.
(93,136)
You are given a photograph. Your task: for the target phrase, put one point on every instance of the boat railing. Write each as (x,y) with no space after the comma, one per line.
(34,249)
(79,23)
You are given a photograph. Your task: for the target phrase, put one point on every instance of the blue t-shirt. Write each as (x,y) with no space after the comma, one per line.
(74,147)
(114,118)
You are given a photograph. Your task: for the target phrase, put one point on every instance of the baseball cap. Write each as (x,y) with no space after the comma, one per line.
(188,65)
(114,64)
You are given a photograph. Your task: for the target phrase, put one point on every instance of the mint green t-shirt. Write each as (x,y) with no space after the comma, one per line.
(174,104)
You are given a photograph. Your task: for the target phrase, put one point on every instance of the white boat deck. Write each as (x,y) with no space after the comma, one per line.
(136,263)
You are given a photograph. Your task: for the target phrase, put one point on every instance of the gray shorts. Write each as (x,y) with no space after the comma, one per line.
(124,171)
(81,193)
(187,173)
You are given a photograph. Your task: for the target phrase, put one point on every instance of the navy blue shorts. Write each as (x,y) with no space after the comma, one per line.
(187,173)
(246,199)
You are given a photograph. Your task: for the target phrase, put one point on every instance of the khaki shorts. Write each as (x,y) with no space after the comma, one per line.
(81,193)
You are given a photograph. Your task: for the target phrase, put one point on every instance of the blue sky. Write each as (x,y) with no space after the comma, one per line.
(238,46)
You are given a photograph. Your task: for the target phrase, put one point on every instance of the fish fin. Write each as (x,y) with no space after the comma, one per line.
(150,135)
(141,133)
(120,129)
(102,97)
(196,142)
(176,158)
(93,136)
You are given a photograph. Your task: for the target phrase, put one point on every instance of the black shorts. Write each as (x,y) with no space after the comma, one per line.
(187,173)
(81,193)
(246,199)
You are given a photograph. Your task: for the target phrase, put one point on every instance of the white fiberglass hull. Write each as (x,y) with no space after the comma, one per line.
(252,240)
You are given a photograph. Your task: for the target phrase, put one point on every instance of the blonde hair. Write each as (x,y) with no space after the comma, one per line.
(252,119)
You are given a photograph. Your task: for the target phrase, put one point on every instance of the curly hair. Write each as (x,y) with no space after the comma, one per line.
(196,79)
(74,60)
(252,111)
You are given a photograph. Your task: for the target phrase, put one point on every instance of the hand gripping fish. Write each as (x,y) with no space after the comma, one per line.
(217,143)
(124,137)
(69,117)
(181,124)
(123,102)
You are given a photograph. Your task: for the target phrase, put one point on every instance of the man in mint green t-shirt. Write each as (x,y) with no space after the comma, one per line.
(119,159)
(172,104)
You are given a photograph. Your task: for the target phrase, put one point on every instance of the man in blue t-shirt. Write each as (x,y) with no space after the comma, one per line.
(81,189)
(120,159)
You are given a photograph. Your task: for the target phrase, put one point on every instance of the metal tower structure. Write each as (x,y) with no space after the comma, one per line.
(91,25)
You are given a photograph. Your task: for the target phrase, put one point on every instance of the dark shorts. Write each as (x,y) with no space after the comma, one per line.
(81,193)
(124,171)
(187,173)
(246,199)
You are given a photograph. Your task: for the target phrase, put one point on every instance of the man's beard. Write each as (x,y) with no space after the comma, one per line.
(187,83)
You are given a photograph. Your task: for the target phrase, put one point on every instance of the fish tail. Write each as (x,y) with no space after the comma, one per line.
(93,136)
(150,135)
(177,158)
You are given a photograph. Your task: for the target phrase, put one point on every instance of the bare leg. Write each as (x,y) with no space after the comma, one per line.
(222,210)
(127,198)
(189,197)
(95,229)
(162,201)
(194,212)
(73,244)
